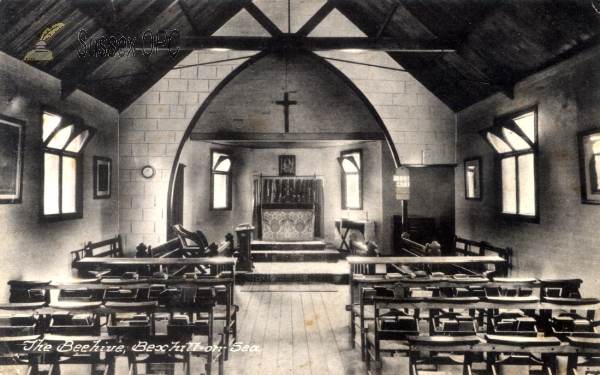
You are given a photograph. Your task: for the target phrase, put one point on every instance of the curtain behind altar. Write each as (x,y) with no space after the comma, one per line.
(288,190)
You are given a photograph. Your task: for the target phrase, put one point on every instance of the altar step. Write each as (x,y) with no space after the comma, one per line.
(330,256)
(280,245)
(316,272)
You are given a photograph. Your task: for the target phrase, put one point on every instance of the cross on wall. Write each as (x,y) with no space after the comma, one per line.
(286,103)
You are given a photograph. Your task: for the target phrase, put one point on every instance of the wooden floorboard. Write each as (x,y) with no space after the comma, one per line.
(315,347)
(285,361)
(298,332)
(269,348)
(301,357)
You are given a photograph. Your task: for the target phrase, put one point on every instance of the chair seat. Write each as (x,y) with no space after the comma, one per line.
(389,345)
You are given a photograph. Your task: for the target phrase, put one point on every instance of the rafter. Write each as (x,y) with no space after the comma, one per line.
(288,42)
(261,18)
(316,19)
(388,19)
(75,74)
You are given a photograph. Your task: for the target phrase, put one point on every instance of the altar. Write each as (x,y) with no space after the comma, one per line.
(288,222)
(288,209)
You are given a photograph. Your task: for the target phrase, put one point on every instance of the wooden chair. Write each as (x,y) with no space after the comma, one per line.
(193,244)
(365,313)
(195,308)
(389,333)
(14,359)
(61,356)
(520,357)
(580,364)
(437,359)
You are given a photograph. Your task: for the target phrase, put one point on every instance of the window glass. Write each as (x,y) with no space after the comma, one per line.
(60,139)
(509,186)
(51,191)
(221,162)
(69,183)
(500,146)
(527,125)
(220,191)
(515,140)
(77,142)
(471,182)
(526,185)
(50,122)
(353,190)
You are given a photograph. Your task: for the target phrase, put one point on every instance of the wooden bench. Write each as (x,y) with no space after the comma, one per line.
(112,248)
(465,247)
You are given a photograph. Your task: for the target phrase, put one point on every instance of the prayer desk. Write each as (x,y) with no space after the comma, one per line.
(367,228)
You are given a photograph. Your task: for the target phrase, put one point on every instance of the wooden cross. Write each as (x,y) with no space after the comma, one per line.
(286,103)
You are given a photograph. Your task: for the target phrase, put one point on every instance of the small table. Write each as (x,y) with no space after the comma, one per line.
(366,227)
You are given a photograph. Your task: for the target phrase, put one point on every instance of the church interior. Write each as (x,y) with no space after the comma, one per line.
(299,187)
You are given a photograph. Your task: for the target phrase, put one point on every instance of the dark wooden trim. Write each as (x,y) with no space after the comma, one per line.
(388,19)
(290,42)
(261,18)
(454,165)
(283,137)
(316,19)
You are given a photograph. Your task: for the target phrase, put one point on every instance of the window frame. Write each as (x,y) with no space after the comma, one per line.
(79,127)
(212,181)
(500,122)
(360,180)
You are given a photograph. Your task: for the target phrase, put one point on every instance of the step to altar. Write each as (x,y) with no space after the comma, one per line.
(329,256)
(281,245)
(285,272)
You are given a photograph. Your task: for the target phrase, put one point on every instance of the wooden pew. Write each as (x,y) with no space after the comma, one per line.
(111,248)
(465,247)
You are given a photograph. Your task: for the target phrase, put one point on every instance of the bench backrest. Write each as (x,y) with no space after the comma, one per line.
(111,248)
(169,249)
(465,247)
(413,248)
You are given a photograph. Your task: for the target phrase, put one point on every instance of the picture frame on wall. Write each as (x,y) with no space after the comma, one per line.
(12,143)
(102,177)
(287,165)
(473,179)
(589,165)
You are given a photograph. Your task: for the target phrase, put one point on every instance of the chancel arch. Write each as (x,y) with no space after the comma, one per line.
(248,114)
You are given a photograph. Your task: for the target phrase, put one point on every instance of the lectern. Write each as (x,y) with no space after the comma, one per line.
(244,241)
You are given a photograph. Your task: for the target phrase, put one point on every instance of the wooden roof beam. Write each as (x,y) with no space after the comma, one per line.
(287,42)
(316,19)
(388,19)
(261,18)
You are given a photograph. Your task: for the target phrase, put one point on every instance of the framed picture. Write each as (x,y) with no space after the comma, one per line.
(287,165)
(589,165)
(12,143)
(102,177)
(473,179)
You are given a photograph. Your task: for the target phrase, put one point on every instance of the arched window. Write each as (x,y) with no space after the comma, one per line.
(514,139)
(64,139)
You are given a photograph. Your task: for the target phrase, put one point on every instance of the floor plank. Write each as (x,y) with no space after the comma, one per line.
(269,348)
(315,347)
(285,362)
(335,365)
(252,363)
(299,333)
(301,357)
